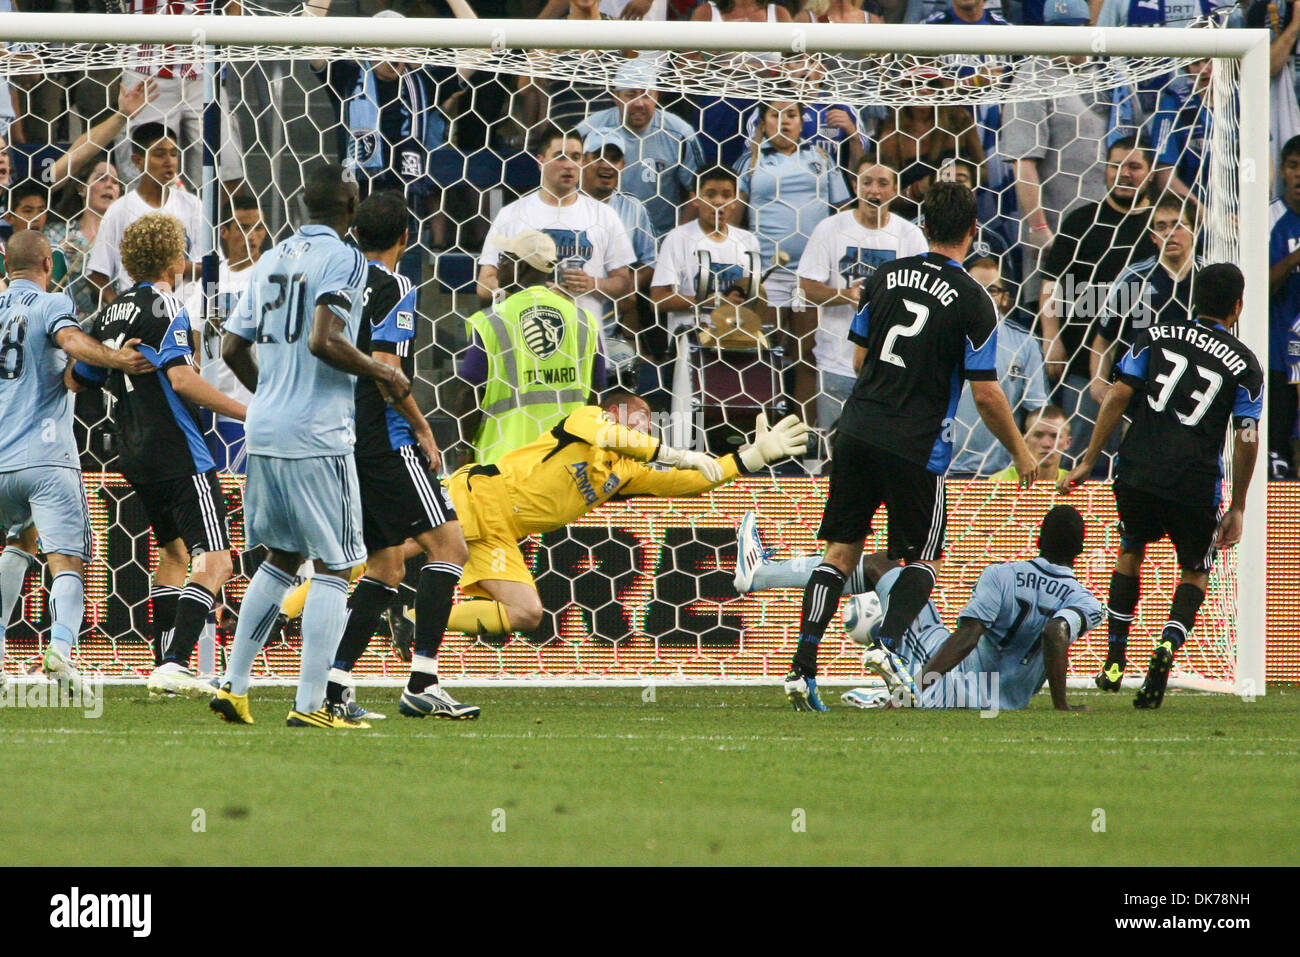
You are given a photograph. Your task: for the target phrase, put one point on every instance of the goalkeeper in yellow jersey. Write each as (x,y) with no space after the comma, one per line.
(595,454)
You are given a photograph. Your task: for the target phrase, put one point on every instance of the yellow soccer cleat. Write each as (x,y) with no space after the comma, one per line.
(326,717)
(231,707)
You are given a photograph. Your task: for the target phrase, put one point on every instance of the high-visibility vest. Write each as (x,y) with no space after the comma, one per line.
(540,350)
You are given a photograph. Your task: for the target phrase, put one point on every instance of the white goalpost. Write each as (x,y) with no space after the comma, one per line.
(860,65)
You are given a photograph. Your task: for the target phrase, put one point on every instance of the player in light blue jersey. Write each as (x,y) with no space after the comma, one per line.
(302,500)
(1011,636)
(40,471)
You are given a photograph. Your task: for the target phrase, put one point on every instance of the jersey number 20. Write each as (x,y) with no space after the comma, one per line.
(295,314)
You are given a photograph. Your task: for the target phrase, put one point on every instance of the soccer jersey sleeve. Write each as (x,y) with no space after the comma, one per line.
(1249,403)
(1133,367)
(982,341)
(1082,613)
(241,321)
(342,281)
(59,314)
(861,323)
(836,187)
(395,320)
(669,267)
(165,342)
(996,583)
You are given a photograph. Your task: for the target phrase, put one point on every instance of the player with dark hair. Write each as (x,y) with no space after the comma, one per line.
(161,448)
(395,456)
(921,326)
(1182,385)
(1012,636)
(303,309)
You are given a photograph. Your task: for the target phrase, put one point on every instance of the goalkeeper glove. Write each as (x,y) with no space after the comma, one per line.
(706,465)
(788,437)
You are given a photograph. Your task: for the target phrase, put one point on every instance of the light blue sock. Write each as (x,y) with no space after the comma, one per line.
(323,619)
(794,573)
(14,563)
(257,614)
(68,607)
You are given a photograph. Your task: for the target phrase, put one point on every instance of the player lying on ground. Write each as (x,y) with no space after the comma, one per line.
(596,454)
(1183,386)
(922,324)
(303,309)
(40,472)
(162,452)
(1020,619)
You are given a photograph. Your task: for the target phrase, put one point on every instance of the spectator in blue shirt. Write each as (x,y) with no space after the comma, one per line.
(662,152)
(789,188)
(1284,312)
(1180,131)
(1020,370)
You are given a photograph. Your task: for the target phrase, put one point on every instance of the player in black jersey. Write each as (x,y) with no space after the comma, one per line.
(1182,385)
(401,499)
(922,325)
(161,447)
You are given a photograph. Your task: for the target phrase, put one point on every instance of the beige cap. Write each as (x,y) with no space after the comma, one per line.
(530,246)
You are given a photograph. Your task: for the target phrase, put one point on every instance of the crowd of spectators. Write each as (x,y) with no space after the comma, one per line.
(662,204)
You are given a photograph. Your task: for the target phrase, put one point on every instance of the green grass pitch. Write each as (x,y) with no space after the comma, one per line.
(696,776)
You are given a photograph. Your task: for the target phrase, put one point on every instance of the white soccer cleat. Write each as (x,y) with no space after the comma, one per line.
(434,701)
(350,709)
(61,669)
(750,553)
(171,679)
(868,699)
(898,681)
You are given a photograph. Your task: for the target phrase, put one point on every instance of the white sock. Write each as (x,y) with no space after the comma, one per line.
(323,619)
(256,616)
(795,572)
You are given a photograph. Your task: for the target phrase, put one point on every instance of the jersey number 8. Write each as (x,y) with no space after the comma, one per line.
(11,348)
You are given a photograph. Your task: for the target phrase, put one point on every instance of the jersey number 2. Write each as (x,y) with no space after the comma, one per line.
(921,313)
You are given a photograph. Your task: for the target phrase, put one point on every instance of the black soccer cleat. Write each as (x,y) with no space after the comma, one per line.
(1111,676)
(400,630)
(1152,692)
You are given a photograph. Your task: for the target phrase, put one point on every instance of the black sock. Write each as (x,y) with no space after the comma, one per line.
(162,616)
(821,599)
(907,597)
(365,607)
(433,601)
(1120,608)
(1182,614)
(192,609)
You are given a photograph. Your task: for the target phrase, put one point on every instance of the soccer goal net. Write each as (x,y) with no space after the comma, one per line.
(738,182)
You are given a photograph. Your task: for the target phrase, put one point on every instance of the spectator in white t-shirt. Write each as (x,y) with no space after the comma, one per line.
(708,245)
(595,252)
(156,152)
(242,237)
(842,253)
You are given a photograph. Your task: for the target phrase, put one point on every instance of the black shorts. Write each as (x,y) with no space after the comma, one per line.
(863,478)
(399,498)
(1146,518)
(192,509)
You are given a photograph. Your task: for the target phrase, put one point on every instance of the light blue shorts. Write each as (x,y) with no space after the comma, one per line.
(309,507)
(53,498)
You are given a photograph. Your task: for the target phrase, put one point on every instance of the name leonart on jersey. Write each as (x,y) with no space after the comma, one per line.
(1204,341)
(915,279)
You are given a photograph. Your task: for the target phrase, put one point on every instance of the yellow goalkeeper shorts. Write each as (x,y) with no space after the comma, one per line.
(481,504)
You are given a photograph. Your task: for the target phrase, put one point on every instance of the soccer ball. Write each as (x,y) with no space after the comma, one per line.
(862,617)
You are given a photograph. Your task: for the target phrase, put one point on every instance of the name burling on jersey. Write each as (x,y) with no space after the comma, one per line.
(922,282)
(77,910)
